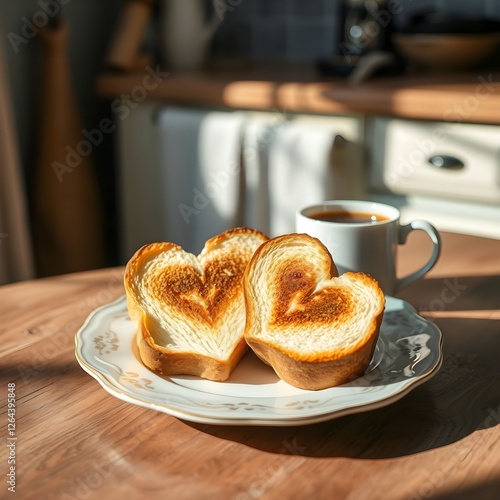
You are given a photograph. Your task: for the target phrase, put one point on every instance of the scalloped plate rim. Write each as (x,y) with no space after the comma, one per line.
(110,384)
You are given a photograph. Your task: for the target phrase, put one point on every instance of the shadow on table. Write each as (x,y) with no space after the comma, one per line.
(463,397)
(454,293)
(484,491)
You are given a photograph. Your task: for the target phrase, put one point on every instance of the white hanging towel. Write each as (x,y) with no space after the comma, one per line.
(303,170)
(201,152)
(258,135)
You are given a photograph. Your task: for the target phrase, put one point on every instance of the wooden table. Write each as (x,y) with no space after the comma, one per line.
(75,441)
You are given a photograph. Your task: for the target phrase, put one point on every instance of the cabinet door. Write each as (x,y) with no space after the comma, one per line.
(452,160)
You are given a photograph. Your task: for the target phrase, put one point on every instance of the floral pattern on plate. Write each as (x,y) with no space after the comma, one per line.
(408,352)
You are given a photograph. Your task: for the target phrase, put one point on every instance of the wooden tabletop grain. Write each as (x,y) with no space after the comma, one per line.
(73,440)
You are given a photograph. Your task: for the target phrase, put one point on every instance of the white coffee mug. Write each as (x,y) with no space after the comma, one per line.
(363,236)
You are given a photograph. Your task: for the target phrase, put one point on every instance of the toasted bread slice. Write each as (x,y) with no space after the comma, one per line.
(316,329)
(190,310)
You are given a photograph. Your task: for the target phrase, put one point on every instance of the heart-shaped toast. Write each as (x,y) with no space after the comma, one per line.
(315,328)
(190,310)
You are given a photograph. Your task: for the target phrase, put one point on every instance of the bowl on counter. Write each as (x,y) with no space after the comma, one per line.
(446,51)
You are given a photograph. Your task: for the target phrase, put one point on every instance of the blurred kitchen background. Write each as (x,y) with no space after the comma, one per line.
(90,172)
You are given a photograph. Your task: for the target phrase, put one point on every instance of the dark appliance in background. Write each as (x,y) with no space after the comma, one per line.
(367,26)
(364,33)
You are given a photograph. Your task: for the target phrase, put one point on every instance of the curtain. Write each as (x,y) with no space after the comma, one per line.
(16,259)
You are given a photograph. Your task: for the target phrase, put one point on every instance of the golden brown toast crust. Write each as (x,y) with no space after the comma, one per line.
(303,296)
(201,290)
(167,362)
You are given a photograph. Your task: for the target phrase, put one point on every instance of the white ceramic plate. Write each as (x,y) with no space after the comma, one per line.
(409,351)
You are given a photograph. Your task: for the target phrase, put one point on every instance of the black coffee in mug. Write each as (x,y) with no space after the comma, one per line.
(349,217)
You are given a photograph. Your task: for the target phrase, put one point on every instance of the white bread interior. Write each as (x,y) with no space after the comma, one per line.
(316,329)
(190,310)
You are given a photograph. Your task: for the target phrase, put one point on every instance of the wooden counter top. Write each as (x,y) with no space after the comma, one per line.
(463,97)
(74,440)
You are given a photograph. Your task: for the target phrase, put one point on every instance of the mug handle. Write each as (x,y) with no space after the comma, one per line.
(404,231)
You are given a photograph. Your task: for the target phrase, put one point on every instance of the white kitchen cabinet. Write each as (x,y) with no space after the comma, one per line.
(453,160)
(446,172)
(386,159)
